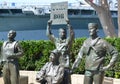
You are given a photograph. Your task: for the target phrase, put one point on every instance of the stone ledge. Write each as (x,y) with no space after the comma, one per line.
(23,80)
(76,78)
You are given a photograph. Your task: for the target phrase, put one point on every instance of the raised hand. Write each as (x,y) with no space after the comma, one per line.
(49,22)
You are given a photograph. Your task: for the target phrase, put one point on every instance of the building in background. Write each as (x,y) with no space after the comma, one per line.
(29,17)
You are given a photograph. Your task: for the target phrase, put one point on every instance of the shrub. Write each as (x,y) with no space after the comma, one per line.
(36,54)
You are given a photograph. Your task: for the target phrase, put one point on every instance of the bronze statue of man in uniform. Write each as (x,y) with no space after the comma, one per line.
(52,72)
(63,44)
(11,51)
(95,50)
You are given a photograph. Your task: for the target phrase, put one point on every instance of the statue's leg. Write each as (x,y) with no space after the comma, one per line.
(88,78)
(6,74)
(98,78)
(67,77)
(14,70)
(0,70)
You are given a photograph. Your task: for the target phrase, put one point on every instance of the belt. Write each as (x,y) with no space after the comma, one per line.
(8,60)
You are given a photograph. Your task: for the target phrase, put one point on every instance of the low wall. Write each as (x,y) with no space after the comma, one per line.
(76,78)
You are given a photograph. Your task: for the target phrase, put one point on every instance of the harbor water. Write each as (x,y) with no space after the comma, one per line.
(41,34)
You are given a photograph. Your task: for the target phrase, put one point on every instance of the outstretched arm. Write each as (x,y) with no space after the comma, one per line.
(77,61)
(48,31)
(41,74)
(71,32)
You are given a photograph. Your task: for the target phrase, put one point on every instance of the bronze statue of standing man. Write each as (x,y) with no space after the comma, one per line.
(95,50)
(11,51)
(63,44)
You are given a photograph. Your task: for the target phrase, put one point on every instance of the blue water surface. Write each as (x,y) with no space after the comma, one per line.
(41,34)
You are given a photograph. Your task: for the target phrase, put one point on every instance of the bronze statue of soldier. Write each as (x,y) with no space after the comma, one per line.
(11,51)
(95,49)
(63,44)
(52,72)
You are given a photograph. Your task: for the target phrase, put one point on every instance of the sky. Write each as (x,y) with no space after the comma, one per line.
(36,2)
(19,3)
(47,1)
(41,1)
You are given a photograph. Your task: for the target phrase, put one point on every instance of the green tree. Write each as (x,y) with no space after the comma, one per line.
(104,14)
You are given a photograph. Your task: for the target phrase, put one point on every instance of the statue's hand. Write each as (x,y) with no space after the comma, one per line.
(0,62)
(49,22)
(75,65)
(39,79)
(68,21)
(10,56)
(71,71)
(104,68)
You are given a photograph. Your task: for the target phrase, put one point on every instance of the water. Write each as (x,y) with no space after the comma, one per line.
(41,34)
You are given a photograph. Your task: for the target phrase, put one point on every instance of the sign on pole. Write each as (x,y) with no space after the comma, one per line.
(59,13)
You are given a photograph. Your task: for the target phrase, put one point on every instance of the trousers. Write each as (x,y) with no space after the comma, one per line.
(93,76)
(11,72)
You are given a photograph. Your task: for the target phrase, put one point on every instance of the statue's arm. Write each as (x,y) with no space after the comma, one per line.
(112,52)
(59,77)
(40,75)
(78,59)
(1,56)
(48,31)
(19,50)
(70,30)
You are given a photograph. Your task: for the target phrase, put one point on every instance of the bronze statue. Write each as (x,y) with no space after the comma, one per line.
(52,72)
(0,70)
(63,44)
(95,50)
(0,67)
(11,51)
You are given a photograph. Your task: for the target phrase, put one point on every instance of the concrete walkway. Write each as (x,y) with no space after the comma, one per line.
(76,79)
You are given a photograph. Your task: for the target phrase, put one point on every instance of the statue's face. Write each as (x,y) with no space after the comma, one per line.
(11,35)
(52,57)
(92,31)
(62,33)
